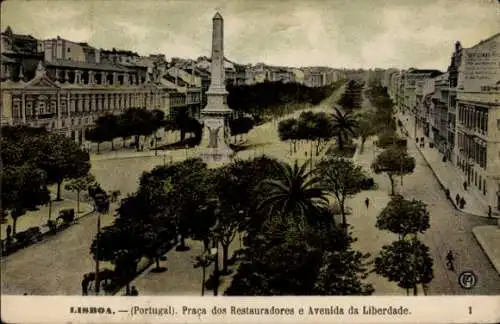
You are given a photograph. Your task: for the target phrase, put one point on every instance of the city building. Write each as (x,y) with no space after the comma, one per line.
(20,56)
(440,122)
(477,153)
(70,85)
(413,79)
(318,76)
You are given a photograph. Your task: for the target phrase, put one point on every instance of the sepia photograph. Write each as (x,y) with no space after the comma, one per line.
(229,148)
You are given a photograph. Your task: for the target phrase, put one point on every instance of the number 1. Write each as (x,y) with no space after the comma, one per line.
(470,309)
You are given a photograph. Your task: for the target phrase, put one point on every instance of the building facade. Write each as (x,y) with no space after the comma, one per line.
(65,86)
(477,153)
(71,108)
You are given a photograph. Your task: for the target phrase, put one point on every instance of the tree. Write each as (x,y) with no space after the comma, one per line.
(351,98)
(296,193)
(288,131)
(341,178)
(314,127)
(121,244)
(158,121)
(393,161)
(239,126)
(190,189)
(107,125)
(387,138)
(342,273)
(225,228)
(23,187)
(365,129)
(343,126)
(80,184)
(95,135)
(404,217)
(61,158)
(150,210)
(285,260)
(406,262)
(187,124)
(158,237)
(139,122)
(323,131)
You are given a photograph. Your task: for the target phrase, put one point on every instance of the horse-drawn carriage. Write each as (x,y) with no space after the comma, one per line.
(100,198)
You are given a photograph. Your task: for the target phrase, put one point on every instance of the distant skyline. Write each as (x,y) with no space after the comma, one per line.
(336,33)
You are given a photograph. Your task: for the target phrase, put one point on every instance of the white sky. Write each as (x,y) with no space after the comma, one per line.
(337,33)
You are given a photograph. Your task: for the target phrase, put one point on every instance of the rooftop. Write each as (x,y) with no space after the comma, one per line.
(105,66)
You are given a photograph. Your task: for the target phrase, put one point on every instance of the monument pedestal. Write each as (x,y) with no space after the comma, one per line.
(214,146)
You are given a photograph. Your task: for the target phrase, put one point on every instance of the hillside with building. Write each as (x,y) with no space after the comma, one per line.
(65,86)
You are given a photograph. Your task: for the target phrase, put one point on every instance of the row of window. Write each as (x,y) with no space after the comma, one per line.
(41,107)
(473,118)
(474,150)
(473,176)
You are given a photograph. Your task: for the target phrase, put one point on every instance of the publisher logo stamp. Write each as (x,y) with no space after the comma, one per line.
(467,279)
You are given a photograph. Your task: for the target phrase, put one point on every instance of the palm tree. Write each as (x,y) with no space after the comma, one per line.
(295,193)
(366,128)
(343,125)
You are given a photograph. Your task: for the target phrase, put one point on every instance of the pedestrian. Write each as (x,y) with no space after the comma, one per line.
(85,284)
(127,290)
(465,185)
(462,202)
(367,202)
(9,230)
(457,199)
(449,259)
(134,292)
(489,212)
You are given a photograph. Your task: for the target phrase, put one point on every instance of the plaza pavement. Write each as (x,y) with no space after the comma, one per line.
(123,173)
(180,277)
(55,266)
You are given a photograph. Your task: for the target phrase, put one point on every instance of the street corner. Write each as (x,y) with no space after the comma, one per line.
(488,237)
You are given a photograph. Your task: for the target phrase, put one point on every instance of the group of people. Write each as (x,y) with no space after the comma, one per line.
(460,201)
(132,292)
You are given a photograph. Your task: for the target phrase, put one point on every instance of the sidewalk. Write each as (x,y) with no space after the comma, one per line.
(488,238)
(446,173)
(179,276)
(40,216)
(369,238)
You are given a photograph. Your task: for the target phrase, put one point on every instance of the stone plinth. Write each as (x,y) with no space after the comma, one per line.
(214,144)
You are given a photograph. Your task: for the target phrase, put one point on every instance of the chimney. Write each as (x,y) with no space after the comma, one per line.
(97,56)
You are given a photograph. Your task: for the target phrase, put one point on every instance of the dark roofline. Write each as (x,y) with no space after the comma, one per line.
(484,41)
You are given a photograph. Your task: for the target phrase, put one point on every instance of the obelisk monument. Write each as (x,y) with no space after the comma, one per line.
(214,144)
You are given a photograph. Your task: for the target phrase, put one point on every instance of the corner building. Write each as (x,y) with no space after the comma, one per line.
(70,85)
(477,153)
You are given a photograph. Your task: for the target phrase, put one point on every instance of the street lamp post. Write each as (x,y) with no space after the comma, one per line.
(215,254)
(50,208)
(97,284)
(102,205)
